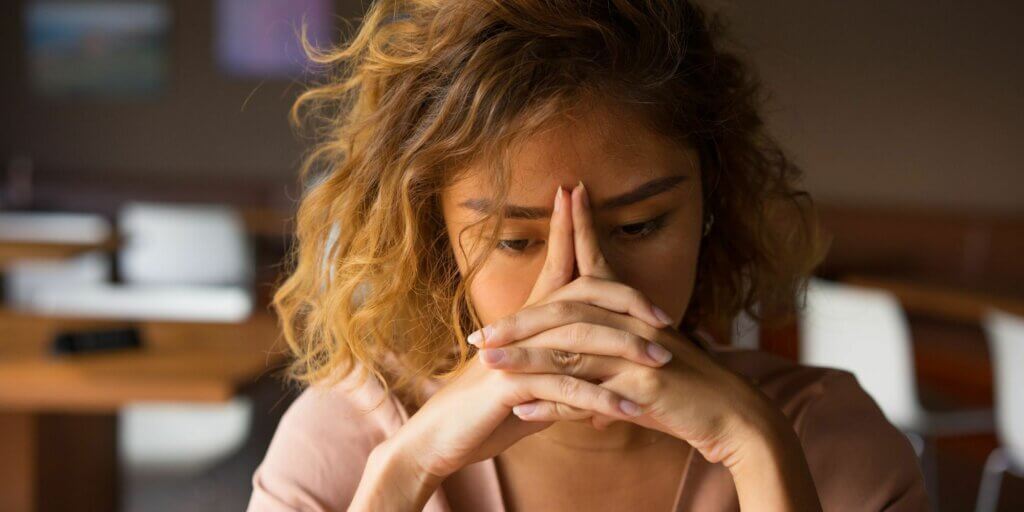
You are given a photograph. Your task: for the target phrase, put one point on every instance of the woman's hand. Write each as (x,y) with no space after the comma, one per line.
(590,329)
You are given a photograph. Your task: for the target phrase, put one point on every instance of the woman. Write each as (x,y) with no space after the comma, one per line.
(586,186)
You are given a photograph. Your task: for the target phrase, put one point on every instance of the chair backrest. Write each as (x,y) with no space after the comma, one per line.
(1005,333)
(184,245)
(865,332)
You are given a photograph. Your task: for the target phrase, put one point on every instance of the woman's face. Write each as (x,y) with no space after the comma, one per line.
(646,197)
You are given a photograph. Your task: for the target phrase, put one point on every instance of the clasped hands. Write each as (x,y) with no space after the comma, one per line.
(597,329)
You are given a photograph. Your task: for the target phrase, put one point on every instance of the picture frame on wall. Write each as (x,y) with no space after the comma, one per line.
(97,49)
(261,39)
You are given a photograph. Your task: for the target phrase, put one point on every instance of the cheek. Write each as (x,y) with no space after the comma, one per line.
(665,270)
(501,288)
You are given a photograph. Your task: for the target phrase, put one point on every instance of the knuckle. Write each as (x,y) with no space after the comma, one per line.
(506,383)
(555,269)
(568,386)
(608,398)
(516,357)
(632,344)
(508,323)
(637,296)
(562,309)
(512,321)
(567,362)
(561,410)
(648,382)
(578,333)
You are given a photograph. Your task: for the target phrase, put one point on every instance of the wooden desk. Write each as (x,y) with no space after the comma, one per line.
(58,415)
(11,251)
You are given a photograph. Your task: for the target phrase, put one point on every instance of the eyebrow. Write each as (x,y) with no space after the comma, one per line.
(644,191)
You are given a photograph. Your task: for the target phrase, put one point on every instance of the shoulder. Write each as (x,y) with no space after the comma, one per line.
(858,459)
(318,452)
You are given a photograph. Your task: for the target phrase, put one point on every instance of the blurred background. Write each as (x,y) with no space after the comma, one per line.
(148,175)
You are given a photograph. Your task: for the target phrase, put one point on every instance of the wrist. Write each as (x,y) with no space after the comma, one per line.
(394,480)
(399,457)
(769,467)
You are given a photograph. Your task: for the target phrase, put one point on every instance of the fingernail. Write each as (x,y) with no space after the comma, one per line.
(630,408)
(661,314)
(493,355)
(583,194)
(558,199)
(479,335)
(659,353)
(524,409)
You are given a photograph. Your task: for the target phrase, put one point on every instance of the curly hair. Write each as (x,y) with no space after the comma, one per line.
(427,88)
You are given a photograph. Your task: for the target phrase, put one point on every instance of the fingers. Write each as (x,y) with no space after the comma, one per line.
(592,339)
(544,360)
(543,410)
(533,321)
(559,261)
(589,257)
(614,296)
(573,392)
(599,422)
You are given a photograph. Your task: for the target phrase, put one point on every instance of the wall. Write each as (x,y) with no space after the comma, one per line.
(916,103)
(205,123)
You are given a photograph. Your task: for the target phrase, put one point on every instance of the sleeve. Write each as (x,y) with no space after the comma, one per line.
(859,461)
(317,455)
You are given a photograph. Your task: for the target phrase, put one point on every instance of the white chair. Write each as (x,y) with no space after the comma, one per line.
(864,331)
(171,244)
(186,263)
(177,247)
(1006,347)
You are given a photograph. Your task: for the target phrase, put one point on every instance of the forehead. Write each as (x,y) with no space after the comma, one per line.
(609,148)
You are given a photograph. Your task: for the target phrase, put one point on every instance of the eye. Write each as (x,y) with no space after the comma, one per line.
(514,246)
(639,230)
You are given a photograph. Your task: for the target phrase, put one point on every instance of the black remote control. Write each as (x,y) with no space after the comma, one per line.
(76,342)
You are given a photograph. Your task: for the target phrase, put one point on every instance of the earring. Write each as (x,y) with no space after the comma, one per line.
(708,223)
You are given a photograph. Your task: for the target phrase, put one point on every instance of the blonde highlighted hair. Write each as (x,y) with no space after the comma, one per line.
(427,88)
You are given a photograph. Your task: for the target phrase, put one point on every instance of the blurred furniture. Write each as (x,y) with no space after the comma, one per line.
(184,245)
(864,331)
(59,415)
(1006,337)
(158,439)
(965,251)
(186,261)
(176,262)
(51,235)
(945,302)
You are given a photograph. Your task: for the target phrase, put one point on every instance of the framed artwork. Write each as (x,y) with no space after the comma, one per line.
(261,38)
(97,49)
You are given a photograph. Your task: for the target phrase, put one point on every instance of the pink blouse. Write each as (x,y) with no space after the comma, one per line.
(858,460)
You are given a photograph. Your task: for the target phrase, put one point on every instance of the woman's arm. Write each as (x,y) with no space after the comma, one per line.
(392,480)
(770,471)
